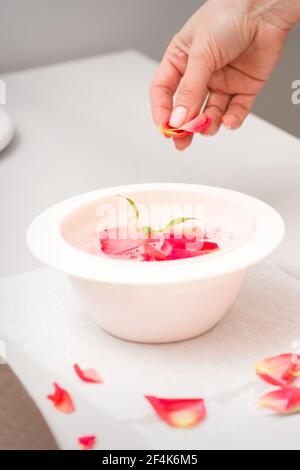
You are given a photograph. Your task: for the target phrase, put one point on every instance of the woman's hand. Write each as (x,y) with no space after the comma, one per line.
(228,50)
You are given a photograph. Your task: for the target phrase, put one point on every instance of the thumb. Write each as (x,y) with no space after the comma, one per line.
(193,89)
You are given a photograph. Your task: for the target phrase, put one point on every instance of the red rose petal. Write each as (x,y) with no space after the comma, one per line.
(153,254)
(179,413)
(117,241)
(279,370)
(61,400)
(87,442)
(178,253)
(197,125)
(179,240)
(88,375)
(284,401)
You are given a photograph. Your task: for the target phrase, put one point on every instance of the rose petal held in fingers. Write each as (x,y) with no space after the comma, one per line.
(197,125)
(284,401)
(179,413)
(279,370)
(87,442)
(88,375)
(61,400)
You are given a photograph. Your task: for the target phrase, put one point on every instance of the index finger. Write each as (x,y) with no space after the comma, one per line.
(163,88)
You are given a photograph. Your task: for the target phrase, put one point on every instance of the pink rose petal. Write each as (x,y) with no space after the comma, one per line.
(279,370)
(179,413)
(61,400)
(117,241)
(87,442)
(284,401)
(198,125)
(88,375)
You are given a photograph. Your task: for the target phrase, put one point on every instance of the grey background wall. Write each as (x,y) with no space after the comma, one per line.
(37,32)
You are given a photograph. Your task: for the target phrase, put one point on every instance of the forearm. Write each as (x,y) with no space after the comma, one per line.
(284,14)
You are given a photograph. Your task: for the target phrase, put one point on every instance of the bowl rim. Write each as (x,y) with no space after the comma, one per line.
(46,243)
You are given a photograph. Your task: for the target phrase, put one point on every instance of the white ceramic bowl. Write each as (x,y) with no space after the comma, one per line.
(158,302)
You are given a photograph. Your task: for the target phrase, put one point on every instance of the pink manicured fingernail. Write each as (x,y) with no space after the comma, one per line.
(178,116)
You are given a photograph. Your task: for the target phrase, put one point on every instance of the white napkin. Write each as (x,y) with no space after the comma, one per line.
(40,312)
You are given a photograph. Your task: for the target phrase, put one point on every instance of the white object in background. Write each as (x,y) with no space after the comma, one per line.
(6,129)
(158,302)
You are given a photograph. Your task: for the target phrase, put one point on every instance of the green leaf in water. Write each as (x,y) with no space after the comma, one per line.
(134,207)
(178,220)
(147,230)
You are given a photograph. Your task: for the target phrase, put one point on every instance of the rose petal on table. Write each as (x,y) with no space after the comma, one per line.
(284,401)
(61,400)
(88,375)
(179,413)
(116,241)
(87,442)
(197,125)
(279,370)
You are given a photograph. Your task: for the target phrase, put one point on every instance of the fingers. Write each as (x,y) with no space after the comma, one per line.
(215,108)
(238,109)
(182,144)
(166,82)
(235,82)
(188,75)
(192,90)
(191,95)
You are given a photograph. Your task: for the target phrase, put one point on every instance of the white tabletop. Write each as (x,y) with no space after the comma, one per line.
(86,124)
(6,129)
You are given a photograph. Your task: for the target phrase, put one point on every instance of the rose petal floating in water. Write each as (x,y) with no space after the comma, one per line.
(279,370)
(61,400)
(147,244)
(88,375)
(197,125)
(163,247)
(87,442)
(284,401)
(179,413)
(117,241)
(151,253)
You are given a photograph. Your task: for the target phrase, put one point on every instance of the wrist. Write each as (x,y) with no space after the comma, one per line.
(284,14)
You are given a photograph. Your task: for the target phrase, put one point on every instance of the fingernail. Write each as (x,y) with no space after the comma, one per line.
(178,116)
(229,128)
